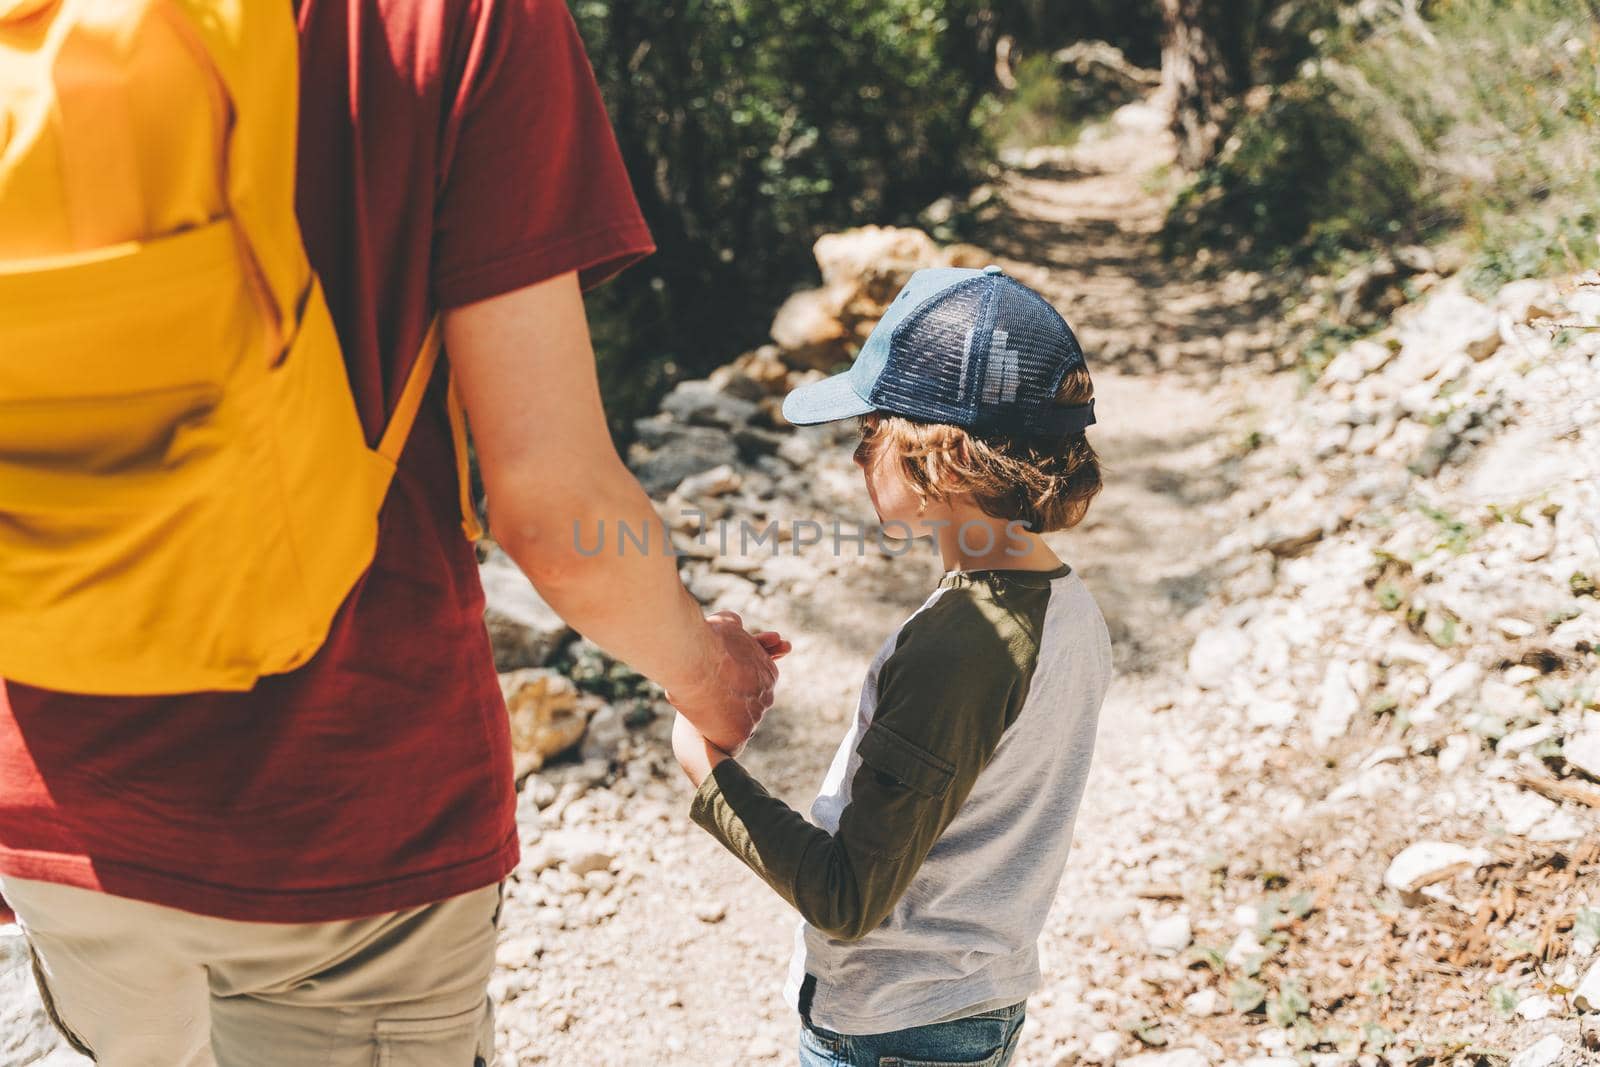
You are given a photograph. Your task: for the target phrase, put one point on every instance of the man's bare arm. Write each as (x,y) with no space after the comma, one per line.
(525,368)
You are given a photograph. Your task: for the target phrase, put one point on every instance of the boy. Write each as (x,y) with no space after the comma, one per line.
(943,825)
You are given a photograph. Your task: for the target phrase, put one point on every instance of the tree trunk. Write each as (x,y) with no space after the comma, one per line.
(1195,77)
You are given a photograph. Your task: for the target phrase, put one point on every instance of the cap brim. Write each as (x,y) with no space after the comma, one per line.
(829,400)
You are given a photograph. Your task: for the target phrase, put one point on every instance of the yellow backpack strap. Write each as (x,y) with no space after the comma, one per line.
(405,416)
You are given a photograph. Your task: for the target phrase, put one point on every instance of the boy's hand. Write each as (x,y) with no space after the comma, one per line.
(695,754)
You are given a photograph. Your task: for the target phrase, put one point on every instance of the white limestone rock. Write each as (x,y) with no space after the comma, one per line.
(1587,996)
(1427,863)
(1542,1053)
(1216,654)
(1169,936)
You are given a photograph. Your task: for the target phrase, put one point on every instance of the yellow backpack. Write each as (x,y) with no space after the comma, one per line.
(186,494)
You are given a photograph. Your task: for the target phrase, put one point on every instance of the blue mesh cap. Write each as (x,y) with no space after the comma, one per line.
(970,348)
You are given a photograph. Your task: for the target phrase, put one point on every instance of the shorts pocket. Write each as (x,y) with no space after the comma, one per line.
(47,998)
(465,1038)
(995,1059)
(985,1040)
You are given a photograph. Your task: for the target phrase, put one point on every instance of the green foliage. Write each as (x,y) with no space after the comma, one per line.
(1504,1000)
(1246,995)
(1148,1030)
(750,127)
(1479,119)
(1513,246)
(1455,534)
(1041,110)
(1303,178)
(1290,1003)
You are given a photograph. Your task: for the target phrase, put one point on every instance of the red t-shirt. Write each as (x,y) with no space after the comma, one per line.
(450,150)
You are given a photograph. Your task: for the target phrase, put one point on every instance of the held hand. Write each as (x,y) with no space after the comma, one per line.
(695,754)
(729,694)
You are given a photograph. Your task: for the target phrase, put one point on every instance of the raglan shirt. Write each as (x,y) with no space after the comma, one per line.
(449,151)
(942,828)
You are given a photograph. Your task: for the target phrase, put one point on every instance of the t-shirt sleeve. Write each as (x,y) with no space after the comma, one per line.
(533,184)
(945,697)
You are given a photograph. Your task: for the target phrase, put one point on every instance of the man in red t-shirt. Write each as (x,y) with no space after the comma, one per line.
(308,873)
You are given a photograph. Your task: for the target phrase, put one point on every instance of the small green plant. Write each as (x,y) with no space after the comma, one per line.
(1560,615)
(1551,697)
(1441,628)
(1287,1007)
(1251,441)
(1390,596)
(1148,1030)
(1520,946)
(1246,995)
(1304,1035)
(1208,957)
(1328,338)
(1456,534)
(1376,1038)
(1504,1000)
(1512,514)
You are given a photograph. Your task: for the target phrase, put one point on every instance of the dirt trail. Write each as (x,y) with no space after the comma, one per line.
(655,982)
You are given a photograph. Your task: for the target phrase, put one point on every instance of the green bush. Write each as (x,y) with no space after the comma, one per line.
(1304,178)
(1479,119)
(750,127)
(1042,109)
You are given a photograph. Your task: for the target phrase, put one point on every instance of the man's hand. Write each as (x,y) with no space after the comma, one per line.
(729,690)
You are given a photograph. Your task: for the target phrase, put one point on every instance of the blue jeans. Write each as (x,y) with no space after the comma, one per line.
(985,1040)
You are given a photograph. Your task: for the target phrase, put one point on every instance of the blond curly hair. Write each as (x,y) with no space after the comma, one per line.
(1047,483)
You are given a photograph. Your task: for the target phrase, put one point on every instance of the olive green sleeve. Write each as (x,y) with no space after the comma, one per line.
(955,681)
